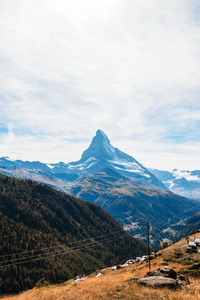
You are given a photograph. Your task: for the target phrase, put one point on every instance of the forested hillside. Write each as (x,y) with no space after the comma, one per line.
(76,236)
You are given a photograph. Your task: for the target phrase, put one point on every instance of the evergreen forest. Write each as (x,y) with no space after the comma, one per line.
(49,236)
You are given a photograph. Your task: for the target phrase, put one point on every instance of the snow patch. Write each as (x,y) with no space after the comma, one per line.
(85,165)
(131,167)
(9,159)
(50,166)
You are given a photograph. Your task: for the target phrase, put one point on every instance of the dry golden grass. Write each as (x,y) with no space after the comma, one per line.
(115,284)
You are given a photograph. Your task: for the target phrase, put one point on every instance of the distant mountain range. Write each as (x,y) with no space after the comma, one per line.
(117,182)
(100,154)
(184,183)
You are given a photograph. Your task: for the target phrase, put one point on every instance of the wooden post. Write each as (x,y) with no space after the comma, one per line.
(148,245)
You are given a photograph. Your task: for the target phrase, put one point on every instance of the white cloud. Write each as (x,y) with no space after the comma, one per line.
(71,67)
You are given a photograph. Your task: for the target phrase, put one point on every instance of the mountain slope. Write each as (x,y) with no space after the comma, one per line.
(59,181)
(34,217)
(185,226)
(133,205)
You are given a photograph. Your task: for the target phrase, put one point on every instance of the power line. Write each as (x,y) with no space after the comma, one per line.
(46,254)
(64,252)
(53,247)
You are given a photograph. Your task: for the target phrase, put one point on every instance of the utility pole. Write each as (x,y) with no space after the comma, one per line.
(148,245)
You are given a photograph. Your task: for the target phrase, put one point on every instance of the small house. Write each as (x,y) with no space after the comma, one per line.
(192,244)
(197,242)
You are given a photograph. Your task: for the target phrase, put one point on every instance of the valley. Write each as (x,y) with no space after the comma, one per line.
(118,183)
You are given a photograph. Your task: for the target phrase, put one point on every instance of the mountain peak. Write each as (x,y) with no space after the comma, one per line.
(100,147)
(101,135)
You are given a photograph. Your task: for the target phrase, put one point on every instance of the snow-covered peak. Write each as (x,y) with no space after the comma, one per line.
(101,154)
(101,148)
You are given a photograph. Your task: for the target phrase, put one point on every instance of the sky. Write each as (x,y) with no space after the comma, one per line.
(128,67)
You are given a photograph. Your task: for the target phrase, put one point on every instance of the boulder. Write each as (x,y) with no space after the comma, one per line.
(158,281)
(167,271)
(152,273)
(182,280)
(164,271)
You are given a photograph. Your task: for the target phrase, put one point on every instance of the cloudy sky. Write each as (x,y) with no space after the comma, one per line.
(128,67)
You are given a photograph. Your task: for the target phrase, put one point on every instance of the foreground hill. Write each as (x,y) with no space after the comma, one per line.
(118,284)
(51,235)
(132,205)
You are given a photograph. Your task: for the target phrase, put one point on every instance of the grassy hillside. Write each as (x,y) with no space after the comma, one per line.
(76,236)
(133,205)
(118,284)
